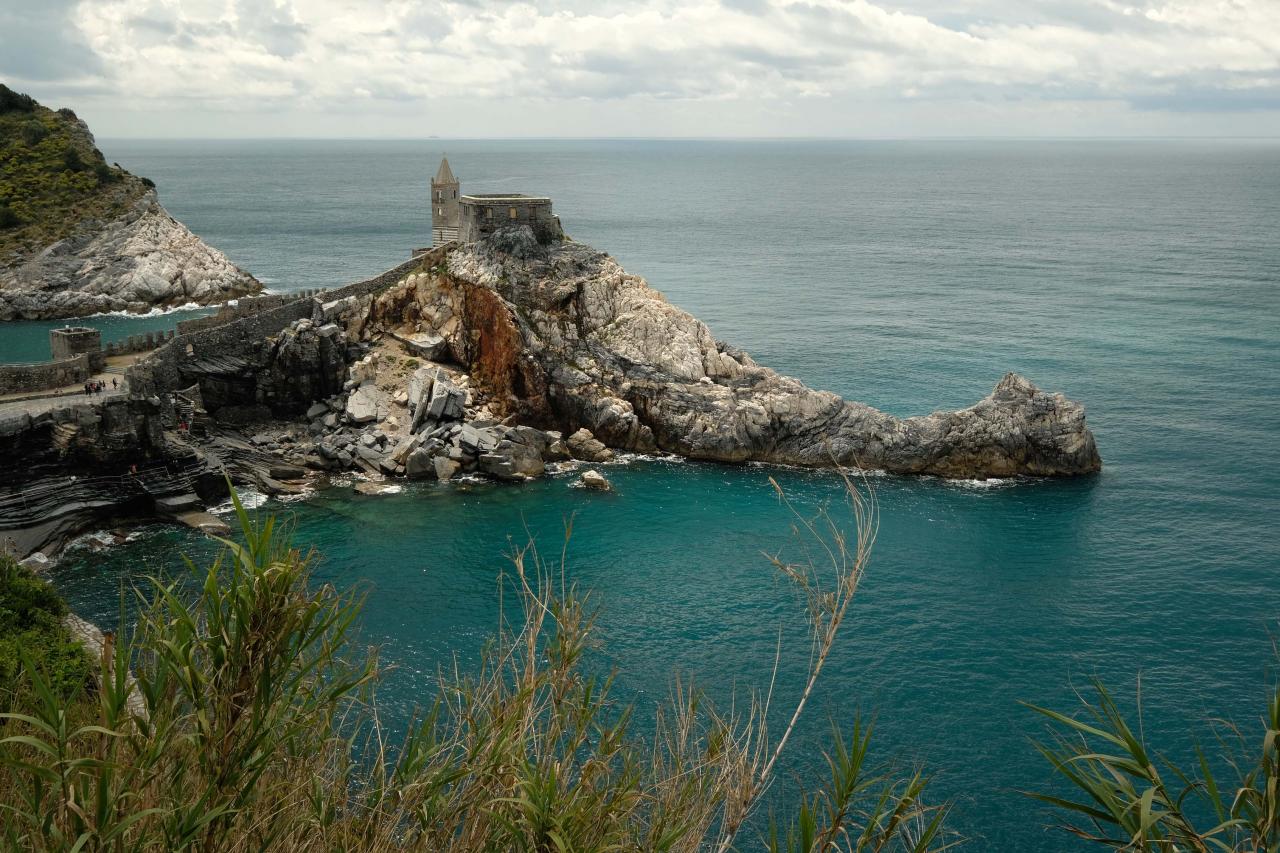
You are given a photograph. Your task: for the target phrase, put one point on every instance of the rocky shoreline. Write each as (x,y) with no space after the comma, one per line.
(503,359)
(145,259)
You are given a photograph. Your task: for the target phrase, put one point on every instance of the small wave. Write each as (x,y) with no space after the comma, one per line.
(624,457)
(98,540)
(991,483)
(850,471)
(154,312)
(249,499)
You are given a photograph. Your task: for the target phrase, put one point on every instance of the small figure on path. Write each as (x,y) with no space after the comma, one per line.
(114,383)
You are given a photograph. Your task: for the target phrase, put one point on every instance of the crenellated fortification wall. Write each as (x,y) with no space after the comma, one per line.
(248,306)
(245,326)
(137,343)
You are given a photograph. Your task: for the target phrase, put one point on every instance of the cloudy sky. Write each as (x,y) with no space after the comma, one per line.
(856,68)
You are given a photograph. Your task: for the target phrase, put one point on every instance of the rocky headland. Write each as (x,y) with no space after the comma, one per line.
(506,355)
(504,358)
(81,237)
(562,337)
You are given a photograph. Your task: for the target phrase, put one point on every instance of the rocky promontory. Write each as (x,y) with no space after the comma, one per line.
(560,337)
(504,358)
(80,237)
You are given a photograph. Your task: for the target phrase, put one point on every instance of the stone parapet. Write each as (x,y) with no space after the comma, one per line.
(24,378)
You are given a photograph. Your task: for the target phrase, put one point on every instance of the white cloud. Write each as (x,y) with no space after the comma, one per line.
(361,55)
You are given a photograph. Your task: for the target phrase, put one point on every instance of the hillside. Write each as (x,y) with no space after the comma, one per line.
(53,177)
(80,236)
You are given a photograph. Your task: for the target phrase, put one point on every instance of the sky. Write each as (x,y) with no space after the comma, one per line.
(662,68)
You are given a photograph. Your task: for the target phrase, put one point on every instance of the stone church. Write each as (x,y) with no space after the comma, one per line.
(467,218)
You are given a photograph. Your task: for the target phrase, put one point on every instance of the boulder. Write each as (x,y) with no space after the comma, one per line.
(430,347)
(402,450)
(511,461)
(585,446)
(594,480)
(419,463)
(364,403)
(448,401)
(477,440)
(317,410)
(445,467)
(419,389)
(36,562)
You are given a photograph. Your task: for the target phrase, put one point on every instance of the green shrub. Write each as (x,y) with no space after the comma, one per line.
(9,217)
(33,132)
(11,101)
(52,177)
(31,624)
(72,160)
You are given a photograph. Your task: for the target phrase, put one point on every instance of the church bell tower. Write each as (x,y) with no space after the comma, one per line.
(445,208)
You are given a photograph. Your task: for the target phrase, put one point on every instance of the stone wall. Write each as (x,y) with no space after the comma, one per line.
(24,378)
(161,371)
(245,307)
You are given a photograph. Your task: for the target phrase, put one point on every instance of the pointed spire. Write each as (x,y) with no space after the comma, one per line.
(444,175)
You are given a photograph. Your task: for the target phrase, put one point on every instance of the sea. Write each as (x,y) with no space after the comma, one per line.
(1140,277)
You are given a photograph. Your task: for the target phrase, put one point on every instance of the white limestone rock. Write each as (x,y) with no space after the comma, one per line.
(364,403)
(142,260)
(594,480)
(564,335)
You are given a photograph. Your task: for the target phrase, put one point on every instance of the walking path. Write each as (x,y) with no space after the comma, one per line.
(37,402)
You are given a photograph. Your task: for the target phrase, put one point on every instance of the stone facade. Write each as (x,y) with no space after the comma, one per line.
(445,192)
(73,340)
(468,218)
(70,341)
(482,215)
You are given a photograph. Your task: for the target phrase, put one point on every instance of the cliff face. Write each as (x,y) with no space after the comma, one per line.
(79,237)
(598,348)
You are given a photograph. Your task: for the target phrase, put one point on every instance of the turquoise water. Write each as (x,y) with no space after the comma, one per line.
(28,340)
(1139,278)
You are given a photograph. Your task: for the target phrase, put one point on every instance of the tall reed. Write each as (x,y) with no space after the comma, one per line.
(242,716)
